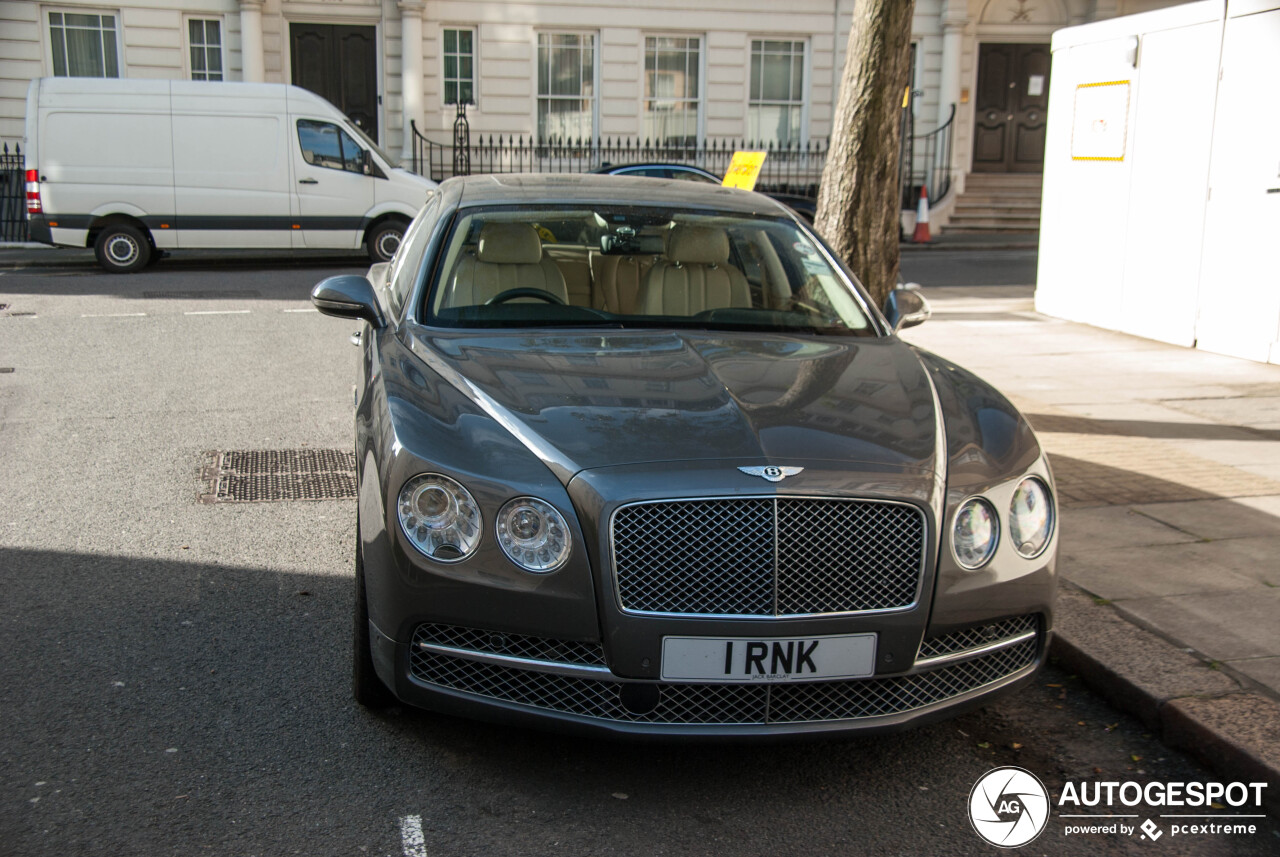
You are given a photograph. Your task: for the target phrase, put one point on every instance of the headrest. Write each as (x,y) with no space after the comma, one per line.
(698,245)
(509,244)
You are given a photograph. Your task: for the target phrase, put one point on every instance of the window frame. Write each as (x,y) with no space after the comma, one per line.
(191,46)
(475,64)
(699,99)
(806,83)
(47,25)
(538,97)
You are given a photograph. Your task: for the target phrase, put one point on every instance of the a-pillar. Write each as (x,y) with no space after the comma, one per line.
(252,65)
(410,72)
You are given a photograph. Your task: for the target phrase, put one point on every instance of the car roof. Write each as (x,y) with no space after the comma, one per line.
(574,188)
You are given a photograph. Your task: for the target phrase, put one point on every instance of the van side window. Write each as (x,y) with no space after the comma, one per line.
(407,266)
(326,145)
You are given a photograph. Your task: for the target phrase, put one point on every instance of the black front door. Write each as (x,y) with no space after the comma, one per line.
(339,63)
(1011,108)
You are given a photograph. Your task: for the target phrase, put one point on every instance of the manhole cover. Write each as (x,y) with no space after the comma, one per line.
(266,475)
(205,294)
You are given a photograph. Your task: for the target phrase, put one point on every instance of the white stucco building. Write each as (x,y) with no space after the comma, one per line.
(723,70)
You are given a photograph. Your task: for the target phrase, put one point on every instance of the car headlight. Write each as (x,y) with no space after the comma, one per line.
(440,517)
(1030,517)
(975,533)
(533,534)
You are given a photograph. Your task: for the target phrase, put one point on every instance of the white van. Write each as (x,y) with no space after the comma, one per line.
(136,167)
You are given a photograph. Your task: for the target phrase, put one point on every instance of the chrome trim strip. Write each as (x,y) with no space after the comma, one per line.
(556,667)
(924,557)
(966,654)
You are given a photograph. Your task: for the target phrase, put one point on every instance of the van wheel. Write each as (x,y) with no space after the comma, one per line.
(384,240)
(121,248)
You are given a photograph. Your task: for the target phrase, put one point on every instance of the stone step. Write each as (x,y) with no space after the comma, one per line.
(949,229)
(968,202)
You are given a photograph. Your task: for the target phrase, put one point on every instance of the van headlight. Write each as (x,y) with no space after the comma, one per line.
(439,517)
(1031,517)
(975,533)
(533,534)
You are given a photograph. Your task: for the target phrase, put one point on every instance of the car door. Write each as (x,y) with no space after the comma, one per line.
(334,194)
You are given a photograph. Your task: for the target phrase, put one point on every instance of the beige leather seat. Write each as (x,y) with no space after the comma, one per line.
(617,281)
(695,275)
(507,256)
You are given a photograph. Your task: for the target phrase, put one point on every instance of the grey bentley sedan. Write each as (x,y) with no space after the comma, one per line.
(641,457)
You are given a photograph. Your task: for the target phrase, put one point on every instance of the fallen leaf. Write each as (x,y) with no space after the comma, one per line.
(986,745)
(1135,758)
(621,795)
(1015,745)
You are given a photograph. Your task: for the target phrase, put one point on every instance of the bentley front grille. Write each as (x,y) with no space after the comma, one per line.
(605,698)
(783,556)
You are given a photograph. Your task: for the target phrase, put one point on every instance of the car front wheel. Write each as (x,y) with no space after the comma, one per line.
(366,687)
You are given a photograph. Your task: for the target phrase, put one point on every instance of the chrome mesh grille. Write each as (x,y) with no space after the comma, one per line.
(722,704)
(973,638)
(511,645)
(789,556)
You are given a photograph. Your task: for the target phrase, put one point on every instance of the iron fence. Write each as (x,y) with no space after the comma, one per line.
(13,195)
(926,161)
(791,169)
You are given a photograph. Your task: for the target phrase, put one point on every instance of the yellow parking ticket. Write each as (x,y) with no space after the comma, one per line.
(744,169)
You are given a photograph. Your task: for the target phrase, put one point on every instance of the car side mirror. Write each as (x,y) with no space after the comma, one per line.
(348,296)
(906,307)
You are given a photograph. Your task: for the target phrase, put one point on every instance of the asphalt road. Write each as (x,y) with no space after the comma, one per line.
(176,674)
(971,267)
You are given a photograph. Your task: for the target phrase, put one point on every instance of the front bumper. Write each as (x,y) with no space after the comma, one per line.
(538,681)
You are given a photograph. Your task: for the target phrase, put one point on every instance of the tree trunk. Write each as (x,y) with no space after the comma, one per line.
(858,205)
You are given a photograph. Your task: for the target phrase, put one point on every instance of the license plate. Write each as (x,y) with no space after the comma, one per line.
(751,659)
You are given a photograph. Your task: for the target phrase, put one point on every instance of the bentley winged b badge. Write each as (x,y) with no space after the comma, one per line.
(772,473)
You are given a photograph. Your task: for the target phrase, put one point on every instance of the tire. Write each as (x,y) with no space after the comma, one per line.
(384,240)
(122,248)
(366,687)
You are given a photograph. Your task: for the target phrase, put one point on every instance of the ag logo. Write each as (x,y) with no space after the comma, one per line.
(1009,807)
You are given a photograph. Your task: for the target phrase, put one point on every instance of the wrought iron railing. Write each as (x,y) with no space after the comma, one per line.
(926,161)
(13,195)
(791,169)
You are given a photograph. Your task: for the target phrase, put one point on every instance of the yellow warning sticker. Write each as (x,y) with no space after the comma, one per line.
(744,169)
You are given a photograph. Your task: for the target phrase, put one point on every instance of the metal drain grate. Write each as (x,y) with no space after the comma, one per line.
(204,294)
(268,475)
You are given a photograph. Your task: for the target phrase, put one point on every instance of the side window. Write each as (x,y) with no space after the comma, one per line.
(326,145)
(408,262)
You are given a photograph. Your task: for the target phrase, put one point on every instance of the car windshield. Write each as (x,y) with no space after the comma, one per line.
(634,267)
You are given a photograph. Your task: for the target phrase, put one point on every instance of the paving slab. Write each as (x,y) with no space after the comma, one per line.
(1191,568)
(1109,528)
(1223,627)
(1244,517)
(1264,671)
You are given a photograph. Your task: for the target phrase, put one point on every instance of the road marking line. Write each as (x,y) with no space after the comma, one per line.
(411,836)
(219,312)
(308,309)
(115,315)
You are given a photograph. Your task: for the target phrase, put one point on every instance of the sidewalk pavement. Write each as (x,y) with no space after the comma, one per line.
(1167,464)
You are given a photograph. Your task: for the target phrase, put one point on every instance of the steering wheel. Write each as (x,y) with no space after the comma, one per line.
(512,294)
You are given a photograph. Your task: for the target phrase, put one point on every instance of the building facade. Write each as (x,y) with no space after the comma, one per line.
(658,70)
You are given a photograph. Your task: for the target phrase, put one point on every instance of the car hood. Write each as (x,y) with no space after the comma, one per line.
(619,398)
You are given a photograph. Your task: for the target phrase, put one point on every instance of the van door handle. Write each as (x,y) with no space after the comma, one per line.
(308,181)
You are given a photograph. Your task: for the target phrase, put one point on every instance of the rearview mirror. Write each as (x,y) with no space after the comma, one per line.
(348,296)
(906,307)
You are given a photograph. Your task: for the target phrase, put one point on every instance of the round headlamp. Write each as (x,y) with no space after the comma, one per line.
(533,534)
(439,517)
(1031,517)
(975,534)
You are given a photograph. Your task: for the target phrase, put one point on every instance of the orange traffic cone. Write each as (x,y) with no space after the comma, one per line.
(921,235)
